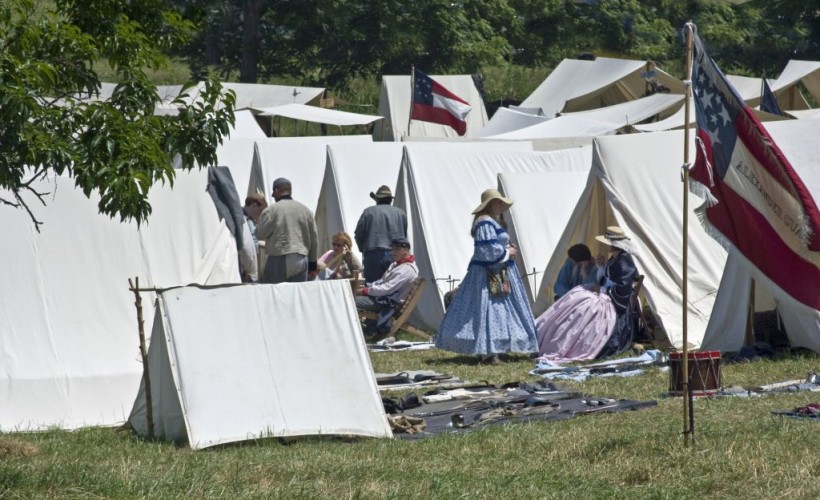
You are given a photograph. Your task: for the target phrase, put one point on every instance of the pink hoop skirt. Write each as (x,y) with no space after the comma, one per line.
(576,327)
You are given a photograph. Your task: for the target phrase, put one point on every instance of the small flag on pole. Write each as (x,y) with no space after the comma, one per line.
(768,102)
(434,103)
(756,202)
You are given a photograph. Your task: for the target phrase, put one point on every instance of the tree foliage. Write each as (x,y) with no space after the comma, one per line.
(53,121)
(329,42)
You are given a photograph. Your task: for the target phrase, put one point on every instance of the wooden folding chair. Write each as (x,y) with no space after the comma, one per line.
(402,313)
(637,309)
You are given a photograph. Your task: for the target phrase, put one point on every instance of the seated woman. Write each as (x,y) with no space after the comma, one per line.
(578,269)
(339,262)
(593,320)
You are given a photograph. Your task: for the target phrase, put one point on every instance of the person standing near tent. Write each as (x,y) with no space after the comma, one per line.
(490,314)
(290,235)
(377,227)
(254,204)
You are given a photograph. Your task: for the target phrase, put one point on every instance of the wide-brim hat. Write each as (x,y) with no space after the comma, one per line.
(488,196)
(382,193)
(614,236)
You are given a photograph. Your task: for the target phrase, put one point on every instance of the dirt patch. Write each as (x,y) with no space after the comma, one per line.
(16,449)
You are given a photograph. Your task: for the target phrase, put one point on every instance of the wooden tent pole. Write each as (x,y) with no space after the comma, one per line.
(149,408)
(687,410)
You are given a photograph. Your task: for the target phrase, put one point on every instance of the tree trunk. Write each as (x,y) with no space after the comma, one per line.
(250,41)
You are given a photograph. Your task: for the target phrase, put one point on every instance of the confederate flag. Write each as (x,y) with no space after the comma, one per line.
(755,199)
(433,103)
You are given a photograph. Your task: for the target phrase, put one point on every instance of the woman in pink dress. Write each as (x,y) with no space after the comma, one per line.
(580,325)
(339,262)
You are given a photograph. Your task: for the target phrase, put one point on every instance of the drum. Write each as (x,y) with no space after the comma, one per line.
(704,373)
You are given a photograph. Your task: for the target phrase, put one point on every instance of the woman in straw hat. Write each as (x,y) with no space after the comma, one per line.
(593,321)
(490,314)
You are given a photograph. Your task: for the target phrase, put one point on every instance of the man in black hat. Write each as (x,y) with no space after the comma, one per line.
(377,227)
(290,235)
(385,293)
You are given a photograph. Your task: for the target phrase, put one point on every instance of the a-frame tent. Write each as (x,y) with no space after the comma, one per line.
(798,141)
(439,186)
(302,160)
(635,183)
(68,335)
(544,202)
(353,171)
(230,364)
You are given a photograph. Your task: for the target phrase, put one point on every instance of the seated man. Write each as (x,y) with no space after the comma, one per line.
(383,295)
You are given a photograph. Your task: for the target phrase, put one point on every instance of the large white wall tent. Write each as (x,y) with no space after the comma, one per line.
(798,141)
(439,187)
(280,372)
(353,172)
(68,335)
(544,202)
(583,85)
(302,160)
(635,183)
(394,106)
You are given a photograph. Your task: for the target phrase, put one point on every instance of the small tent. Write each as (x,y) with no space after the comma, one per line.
(230,364)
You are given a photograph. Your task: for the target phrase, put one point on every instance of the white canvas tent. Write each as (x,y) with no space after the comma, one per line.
(582,85)
(237,156)
(394,106)
(439,188)
(316,114)
(635,183)
(726,332)
(544,202)
(68,333)
(600,121)
(245,127)
(246,362)
(786,90)
(353,171)
(302,160)
(248,95)
(506,120)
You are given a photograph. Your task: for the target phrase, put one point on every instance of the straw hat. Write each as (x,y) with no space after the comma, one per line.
(614,236)
(488,196)
(382,193)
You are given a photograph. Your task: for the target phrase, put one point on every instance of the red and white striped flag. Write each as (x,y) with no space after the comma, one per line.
(755,199)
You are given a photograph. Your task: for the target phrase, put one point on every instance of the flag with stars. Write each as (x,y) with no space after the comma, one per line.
(768,102)
(756,202)
(434,103)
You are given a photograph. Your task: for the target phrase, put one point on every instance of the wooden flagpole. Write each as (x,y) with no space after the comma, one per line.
(687,409)
(412,95)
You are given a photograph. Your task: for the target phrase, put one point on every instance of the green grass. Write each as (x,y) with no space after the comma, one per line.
(741,451)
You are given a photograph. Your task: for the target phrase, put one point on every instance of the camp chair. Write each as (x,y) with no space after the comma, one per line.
(644,332)
(402,313)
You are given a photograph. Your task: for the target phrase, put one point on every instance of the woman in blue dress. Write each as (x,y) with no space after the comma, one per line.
(490,314)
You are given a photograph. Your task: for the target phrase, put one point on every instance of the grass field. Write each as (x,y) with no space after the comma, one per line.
(741,451)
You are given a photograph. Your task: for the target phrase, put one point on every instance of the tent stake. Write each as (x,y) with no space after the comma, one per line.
(149,408)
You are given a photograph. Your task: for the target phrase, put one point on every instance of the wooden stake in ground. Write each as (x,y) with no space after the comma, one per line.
(149,409)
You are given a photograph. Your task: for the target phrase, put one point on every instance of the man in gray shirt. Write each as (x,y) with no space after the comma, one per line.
(377,227)
(289,231)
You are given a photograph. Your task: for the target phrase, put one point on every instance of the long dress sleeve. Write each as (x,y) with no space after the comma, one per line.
(487,250)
